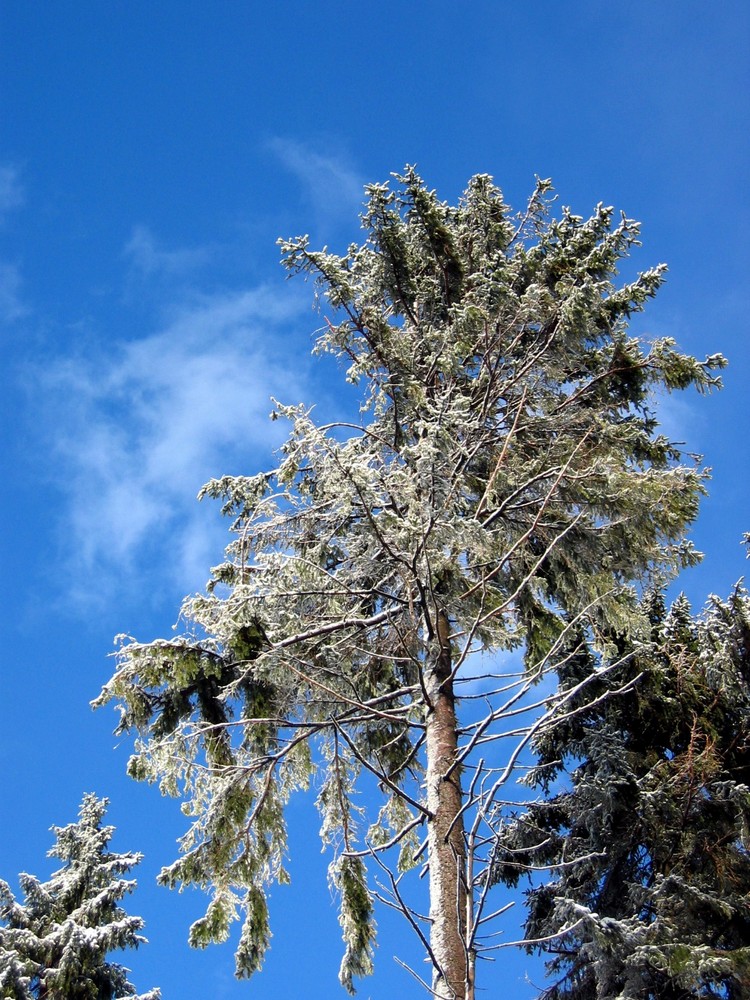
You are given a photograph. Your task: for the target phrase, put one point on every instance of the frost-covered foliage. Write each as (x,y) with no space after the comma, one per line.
(54,944)
(650,842)
(507,472)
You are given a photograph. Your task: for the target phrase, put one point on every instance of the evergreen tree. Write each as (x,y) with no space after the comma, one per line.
(507,471)
(54,945)
(649,842)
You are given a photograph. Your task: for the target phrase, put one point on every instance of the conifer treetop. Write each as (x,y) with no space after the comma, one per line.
(53,945)
(507,478)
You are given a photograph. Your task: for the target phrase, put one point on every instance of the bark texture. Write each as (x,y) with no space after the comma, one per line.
(446,844)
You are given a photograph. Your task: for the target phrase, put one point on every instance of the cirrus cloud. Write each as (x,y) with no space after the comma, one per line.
(333,188)
(11,190)
(140,427)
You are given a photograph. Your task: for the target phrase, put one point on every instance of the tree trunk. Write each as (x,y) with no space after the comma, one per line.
(446,844)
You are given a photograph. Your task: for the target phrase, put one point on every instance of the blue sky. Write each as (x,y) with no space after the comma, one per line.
(150,155)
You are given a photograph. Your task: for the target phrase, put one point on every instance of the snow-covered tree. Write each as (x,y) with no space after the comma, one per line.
(649,840)
(54,944)
(506,478)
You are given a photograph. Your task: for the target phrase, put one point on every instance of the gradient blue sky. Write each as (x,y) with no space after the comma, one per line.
(150,154)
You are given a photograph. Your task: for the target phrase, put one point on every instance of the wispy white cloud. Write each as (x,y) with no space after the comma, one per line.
(149,258)
(333,187)
(139,429)
(11,304)
(11,198)
(480,671)
(11,190)
(679,419)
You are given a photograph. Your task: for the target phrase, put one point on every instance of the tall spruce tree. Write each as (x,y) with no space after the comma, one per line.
(54,945)
(507,472)
(649,840)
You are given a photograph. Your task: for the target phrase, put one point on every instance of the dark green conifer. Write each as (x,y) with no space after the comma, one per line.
(645,818)
(54,944)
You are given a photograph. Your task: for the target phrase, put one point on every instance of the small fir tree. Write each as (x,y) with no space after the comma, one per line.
(649,842)
(507,472)
(54,945)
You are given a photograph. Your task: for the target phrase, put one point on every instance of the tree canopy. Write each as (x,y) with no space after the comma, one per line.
(54,945)
(648,839)
(505,485)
